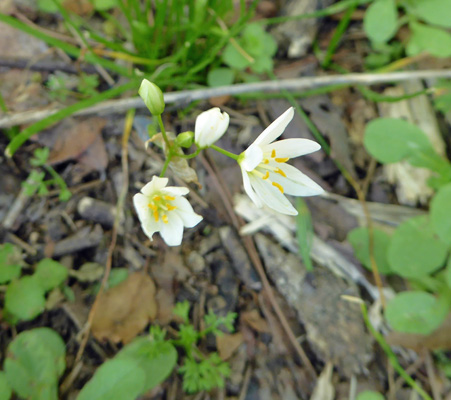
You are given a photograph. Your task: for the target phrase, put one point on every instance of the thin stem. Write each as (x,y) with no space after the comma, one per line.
(163,132)
(166,164)
(189,156)
(225,152)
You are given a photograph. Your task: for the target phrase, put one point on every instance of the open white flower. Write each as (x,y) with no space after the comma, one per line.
(210,126)
(267,177)
(162,209)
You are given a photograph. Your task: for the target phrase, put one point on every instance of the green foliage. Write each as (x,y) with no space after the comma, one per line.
(441,213)
(204,375)
(255,50)
(380,22)
(442,101)
(415,251)
(25,297)
(220,77)
(370,395)
(359,239)
(5,388)
(435,12)
(416,312)
(34,362)
(434,41)
(147,361)
(11,262)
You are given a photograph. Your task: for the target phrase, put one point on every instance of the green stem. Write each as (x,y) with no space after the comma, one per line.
(166,164)
(163,132)
(189,156)
(56,177)
(225,152)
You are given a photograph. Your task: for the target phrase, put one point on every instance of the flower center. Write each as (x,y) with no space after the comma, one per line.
(267,166)
(160,205)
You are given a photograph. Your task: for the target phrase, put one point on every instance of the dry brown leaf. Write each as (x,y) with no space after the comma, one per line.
(228,344)
(70,139)
(79,7)
(255,321)
(126,309)
(95,157)
(440,339)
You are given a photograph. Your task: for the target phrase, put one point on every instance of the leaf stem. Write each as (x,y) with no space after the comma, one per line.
(225,152)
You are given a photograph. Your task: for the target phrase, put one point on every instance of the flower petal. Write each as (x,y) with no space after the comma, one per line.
(175,190)
(296,183)
(273,131)
(172,232)
(185,211)
(210,126)
(272,196)
(155,185)
(148,224)
(249,190)
(252,157)
(292,148)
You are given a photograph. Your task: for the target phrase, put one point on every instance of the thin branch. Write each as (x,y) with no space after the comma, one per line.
(186,96)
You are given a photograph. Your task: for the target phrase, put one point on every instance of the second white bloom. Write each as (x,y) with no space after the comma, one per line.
(162,209)
(266,175)
(210,126)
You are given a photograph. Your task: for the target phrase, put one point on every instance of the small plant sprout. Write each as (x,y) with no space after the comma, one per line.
(210,126)
(267,176)
(162,209)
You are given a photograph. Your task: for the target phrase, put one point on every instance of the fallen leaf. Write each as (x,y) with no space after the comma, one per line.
(228,344)
(324,389)
(255,321)
(125,310)
(79,7)
(95,157)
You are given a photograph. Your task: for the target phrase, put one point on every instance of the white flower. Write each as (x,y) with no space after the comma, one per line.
(267,177)
(163,209)
(210,126)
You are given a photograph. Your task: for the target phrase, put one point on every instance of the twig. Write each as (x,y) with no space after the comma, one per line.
(246,381)
(253,255)
(432,376)
(187,96)
(109,261)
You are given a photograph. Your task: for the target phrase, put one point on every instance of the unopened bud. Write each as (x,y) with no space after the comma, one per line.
(185,139)
(152,96)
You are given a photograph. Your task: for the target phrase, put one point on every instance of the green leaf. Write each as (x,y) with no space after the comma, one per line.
(414,250)
(233,58)
(50,273)
(49,6)
(448,273)
(435,12)
(11,262)
(416,312)
(5,389)
(262,64)
(370,395)
(257,42)
(40,157)
(35,360)
(434,41)
(156,359)
(220,77)
(381,21)
(359,239)
(441,213)
(390,140)
(103,5)
(24,298)
(115,379)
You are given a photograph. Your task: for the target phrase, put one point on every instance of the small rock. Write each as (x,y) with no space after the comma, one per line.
(195,262)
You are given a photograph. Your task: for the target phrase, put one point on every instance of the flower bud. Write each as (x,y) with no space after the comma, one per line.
(185,139)
(210,126)
(152,96)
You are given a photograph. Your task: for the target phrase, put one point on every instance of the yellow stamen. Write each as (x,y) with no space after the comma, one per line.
(156,198)
(280,172)
(164,218)
(170,208)
(281,160)
(273,153)
(266,175)
(152,206)
(278,186)
(155,215)
(169,198)
(265,161)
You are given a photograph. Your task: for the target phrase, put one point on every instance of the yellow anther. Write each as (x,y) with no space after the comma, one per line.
(152,206)
(169,198)
(266,175)
(265,161)
(278,186)
(280,172)
(164,218)
(282,159)
(156,197)
(155,215)
(273,153)
(170,208)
